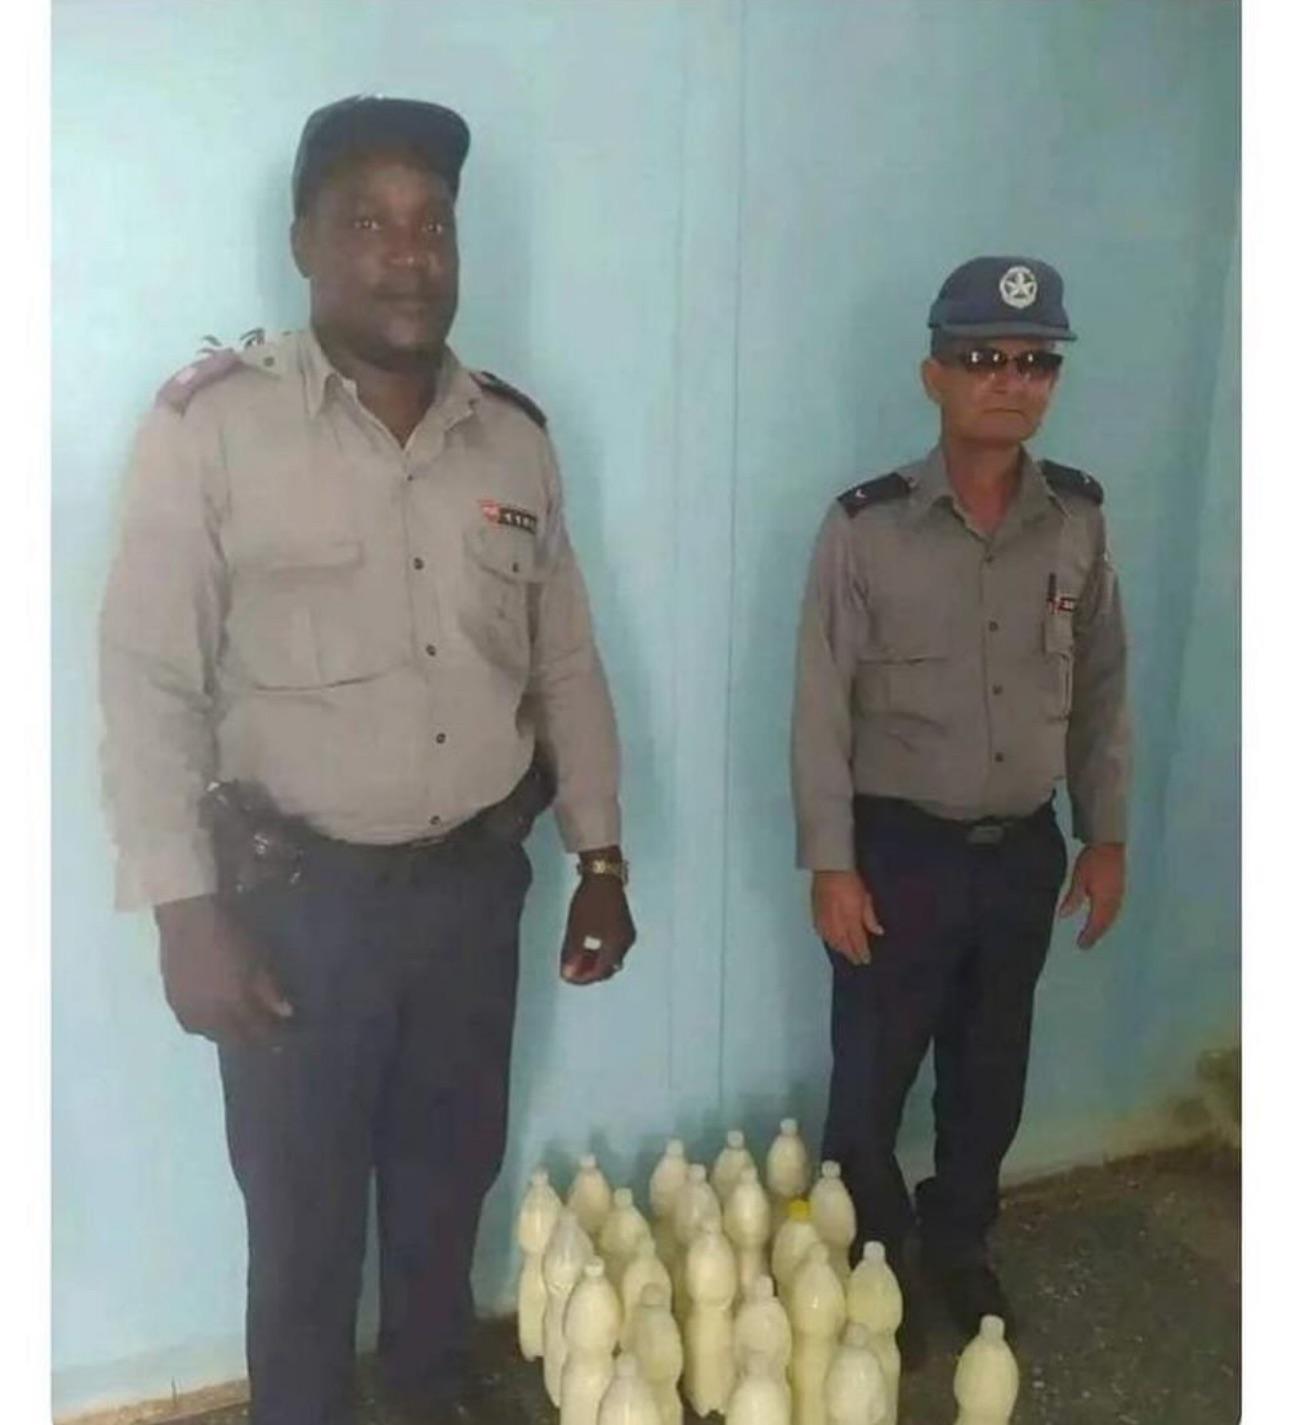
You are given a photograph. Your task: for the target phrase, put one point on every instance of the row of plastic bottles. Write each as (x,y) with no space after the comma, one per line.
(599,1277)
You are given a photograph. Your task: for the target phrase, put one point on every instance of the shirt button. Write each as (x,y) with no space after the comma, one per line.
(431,649)
(989,558)
(998,756)
(434,821)
(997,689)
(418,564)
(993,626)
(441,737)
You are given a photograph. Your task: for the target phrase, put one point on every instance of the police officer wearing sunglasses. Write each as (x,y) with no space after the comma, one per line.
(961,651)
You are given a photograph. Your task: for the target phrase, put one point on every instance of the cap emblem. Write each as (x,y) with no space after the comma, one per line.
(1019,287)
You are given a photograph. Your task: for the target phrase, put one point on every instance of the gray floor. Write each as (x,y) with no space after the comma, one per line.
(1126,1282)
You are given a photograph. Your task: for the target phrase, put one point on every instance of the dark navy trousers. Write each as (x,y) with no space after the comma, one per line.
(967,928)
(402,970)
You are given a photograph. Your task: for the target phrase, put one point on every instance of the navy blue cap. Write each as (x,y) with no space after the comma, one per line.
(369,122)
(1002,296)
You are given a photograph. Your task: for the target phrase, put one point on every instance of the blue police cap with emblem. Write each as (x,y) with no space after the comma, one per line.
(1003,297)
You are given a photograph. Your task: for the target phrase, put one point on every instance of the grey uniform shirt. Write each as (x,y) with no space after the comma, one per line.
(377,635)
(933,666)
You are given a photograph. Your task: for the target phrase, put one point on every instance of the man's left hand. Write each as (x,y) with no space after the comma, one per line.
(1098,878)
(600,931)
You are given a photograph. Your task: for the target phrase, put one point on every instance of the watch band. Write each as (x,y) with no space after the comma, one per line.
(603,866)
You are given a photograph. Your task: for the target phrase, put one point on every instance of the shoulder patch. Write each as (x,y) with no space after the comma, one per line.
(1067,480)
(185,384)
(497,387)
(874,492)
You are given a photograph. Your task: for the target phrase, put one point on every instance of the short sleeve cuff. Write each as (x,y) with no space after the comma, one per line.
(172,873)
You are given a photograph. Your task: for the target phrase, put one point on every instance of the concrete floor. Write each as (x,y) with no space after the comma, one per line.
(1126,1281)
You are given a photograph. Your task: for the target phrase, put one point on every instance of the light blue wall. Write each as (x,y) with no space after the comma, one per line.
(704,234)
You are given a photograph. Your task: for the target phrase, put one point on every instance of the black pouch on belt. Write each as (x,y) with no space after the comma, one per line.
(512,818)
(254,844)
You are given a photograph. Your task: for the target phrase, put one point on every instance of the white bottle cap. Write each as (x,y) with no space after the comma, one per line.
(540,1177)
(788,1125)
(587,1161)
(595,1268)
(830,1169)
(992,1328)
(874,1252)
(735,1138)
(698,1173)
(622,1197)
(675,1148)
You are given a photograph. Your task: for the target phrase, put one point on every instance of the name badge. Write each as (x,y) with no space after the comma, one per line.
(509,515)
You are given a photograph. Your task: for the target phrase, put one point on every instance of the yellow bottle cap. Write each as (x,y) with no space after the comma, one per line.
(799,1210)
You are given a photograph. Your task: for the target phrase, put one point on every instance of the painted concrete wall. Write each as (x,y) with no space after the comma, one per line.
(704,235)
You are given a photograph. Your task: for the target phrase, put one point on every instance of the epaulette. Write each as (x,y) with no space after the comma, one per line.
(497,387)
(1067,480)
(874,492)
(185,384)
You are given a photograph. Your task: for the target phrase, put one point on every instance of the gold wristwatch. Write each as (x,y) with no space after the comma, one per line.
(603,866)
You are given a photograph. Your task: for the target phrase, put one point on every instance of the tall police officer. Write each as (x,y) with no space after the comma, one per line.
(961,650)
(346,620)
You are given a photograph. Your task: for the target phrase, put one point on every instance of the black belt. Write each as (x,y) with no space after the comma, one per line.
(256,845)
(984,831)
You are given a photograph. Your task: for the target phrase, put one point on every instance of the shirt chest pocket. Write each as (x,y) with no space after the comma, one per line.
(306,612)
(904,667)
(1058,663)
(504,572)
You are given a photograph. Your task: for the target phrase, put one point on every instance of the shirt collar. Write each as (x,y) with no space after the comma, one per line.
(931,486)
(456,390)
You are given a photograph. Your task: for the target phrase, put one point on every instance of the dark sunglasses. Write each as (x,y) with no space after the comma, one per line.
(982,360)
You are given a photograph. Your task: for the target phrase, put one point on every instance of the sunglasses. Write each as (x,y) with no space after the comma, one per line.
(982,360)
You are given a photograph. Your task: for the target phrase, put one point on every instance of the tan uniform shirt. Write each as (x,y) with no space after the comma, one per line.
(375,634)
(934,667)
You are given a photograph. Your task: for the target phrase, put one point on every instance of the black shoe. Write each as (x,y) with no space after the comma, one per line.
(970,1290)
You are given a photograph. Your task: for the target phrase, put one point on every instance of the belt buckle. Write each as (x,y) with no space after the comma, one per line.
(985,833)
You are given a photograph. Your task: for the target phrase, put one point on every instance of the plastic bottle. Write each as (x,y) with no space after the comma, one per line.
(624,1230)
(874,1301)
(629,1400)
(762,1328)
(539,1212)
(731,1162)
(788,1169)
(591,1196)
(695,1202)
(817,1309)
(568,1251)
(644,1270)
(655,1341)
(760,1396)
(747,1223)
(855,1389)
(795,1237)
(986,1378)
(711,1278)
(591,1326)
(834,1216)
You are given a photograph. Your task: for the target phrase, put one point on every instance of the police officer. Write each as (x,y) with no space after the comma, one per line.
(344,588)
(961,650)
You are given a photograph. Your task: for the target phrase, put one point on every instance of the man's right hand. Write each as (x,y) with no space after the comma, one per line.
(214,982)
(844,914)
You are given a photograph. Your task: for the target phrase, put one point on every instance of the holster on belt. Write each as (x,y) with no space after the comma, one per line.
(256,845)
